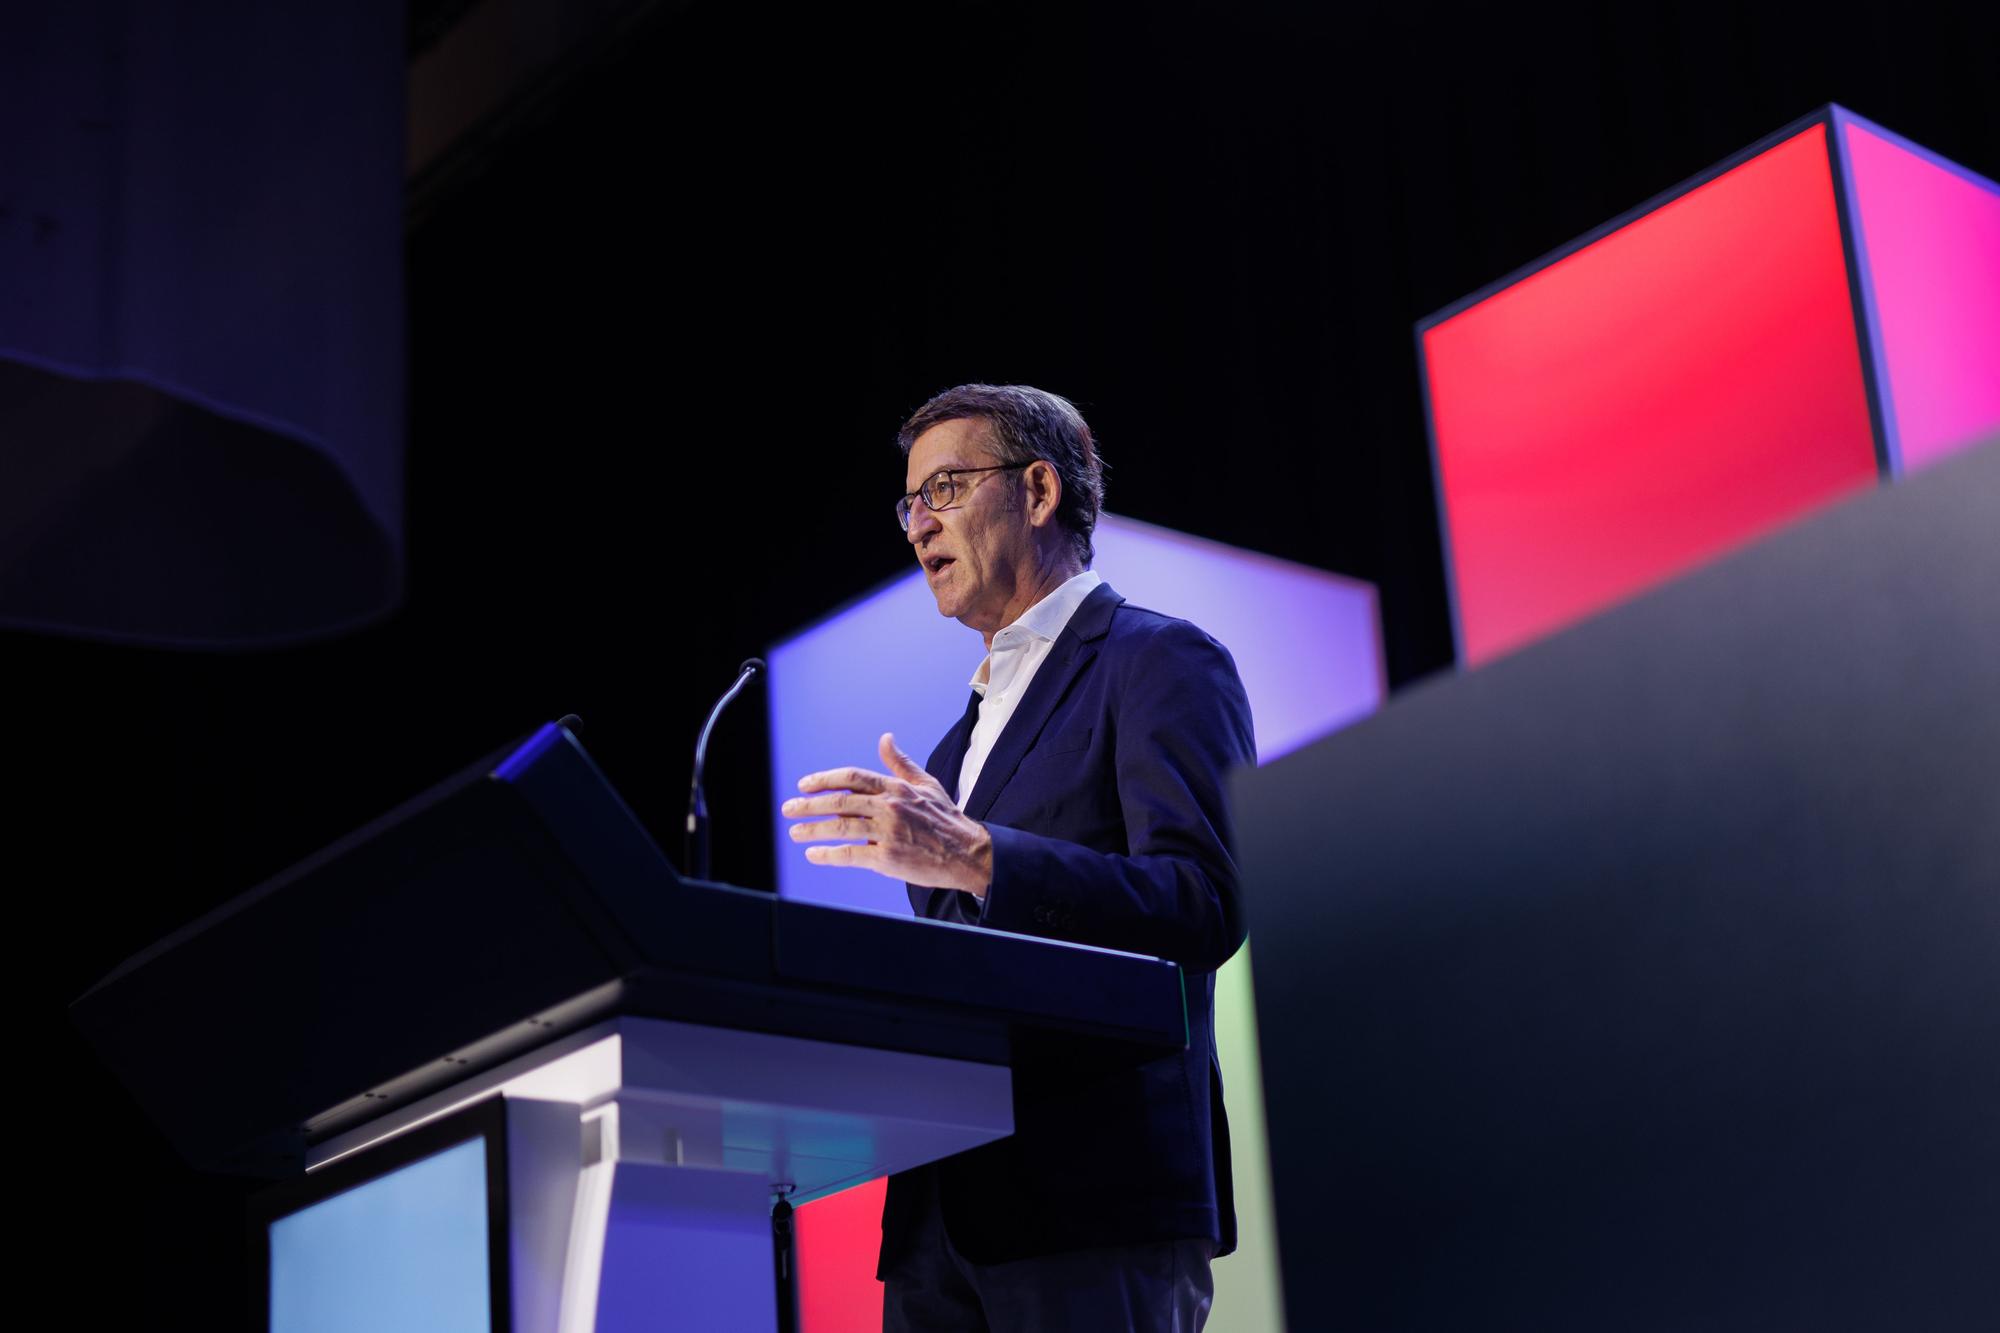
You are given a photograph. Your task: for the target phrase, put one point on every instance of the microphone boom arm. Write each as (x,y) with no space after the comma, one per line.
(697,815)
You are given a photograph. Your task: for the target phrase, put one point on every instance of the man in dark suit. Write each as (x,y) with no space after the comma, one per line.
(1080,797)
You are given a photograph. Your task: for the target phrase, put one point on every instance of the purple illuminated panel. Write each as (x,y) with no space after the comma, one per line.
(1928,236)
(1307,643)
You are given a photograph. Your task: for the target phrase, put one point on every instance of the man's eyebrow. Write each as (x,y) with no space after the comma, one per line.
(948,467)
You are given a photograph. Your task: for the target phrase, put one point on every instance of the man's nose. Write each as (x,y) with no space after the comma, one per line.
(922,521)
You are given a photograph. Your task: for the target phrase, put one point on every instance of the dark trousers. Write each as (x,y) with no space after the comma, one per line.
(1160,1288)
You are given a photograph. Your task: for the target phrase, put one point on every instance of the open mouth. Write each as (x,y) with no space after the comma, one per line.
(932,564)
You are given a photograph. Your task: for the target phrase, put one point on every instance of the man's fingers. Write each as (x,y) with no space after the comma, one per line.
(845,779)
(832,803)
(904,767)
(845,827)
(841,854)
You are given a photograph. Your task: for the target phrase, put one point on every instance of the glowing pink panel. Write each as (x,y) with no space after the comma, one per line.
(1660,396)
(1929,236)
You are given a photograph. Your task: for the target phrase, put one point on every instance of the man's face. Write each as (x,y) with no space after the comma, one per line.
(976,554)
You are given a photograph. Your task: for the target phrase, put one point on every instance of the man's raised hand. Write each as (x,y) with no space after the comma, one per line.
(912,828)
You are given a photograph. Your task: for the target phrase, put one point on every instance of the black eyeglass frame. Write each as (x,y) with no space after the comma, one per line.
(951,476)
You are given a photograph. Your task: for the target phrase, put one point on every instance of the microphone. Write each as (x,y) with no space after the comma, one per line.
(697,820)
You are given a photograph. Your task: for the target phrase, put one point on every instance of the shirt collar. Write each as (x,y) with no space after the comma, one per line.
(1046,620)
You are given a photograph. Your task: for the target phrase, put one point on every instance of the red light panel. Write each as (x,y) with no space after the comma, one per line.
(1650,401)
(834,1242)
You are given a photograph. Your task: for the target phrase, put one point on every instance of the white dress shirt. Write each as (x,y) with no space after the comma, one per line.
(1016,654)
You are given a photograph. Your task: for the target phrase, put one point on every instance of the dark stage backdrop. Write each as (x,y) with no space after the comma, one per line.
(659,348)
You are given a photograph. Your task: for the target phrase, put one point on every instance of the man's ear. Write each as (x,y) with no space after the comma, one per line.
(1044,491)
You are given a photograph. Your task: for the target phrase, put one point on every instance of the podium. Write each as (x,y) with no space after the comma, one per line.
(509,961)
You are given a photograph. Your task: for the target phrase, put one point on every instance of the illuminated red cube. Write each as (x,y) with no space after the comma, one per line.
(1819,311)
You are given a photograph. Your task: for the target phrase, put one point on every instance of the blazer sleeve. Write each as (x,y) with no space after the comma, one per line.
(1182,722)
(944,905)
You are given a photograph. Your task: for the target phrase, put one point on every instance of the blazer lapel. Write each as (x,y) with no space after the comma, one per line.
(1072,652)
(949,757)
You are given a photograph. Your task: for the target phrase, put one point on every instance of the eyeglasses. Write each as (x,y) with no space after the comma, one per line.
(941,489)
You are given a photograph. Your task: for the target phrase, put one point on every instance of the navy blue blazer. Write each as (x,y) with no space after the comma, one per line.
(1104,795)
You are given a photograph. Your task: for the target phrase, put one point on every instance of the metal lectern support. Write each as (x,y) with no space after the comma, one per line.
(679,1135)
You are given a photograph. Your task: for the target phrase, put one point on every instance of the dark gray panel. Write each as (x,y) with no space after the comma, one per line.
(1650,978)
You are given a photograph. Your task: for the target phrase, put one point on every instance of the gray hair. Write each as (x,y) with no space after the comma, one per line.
(1028,425)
